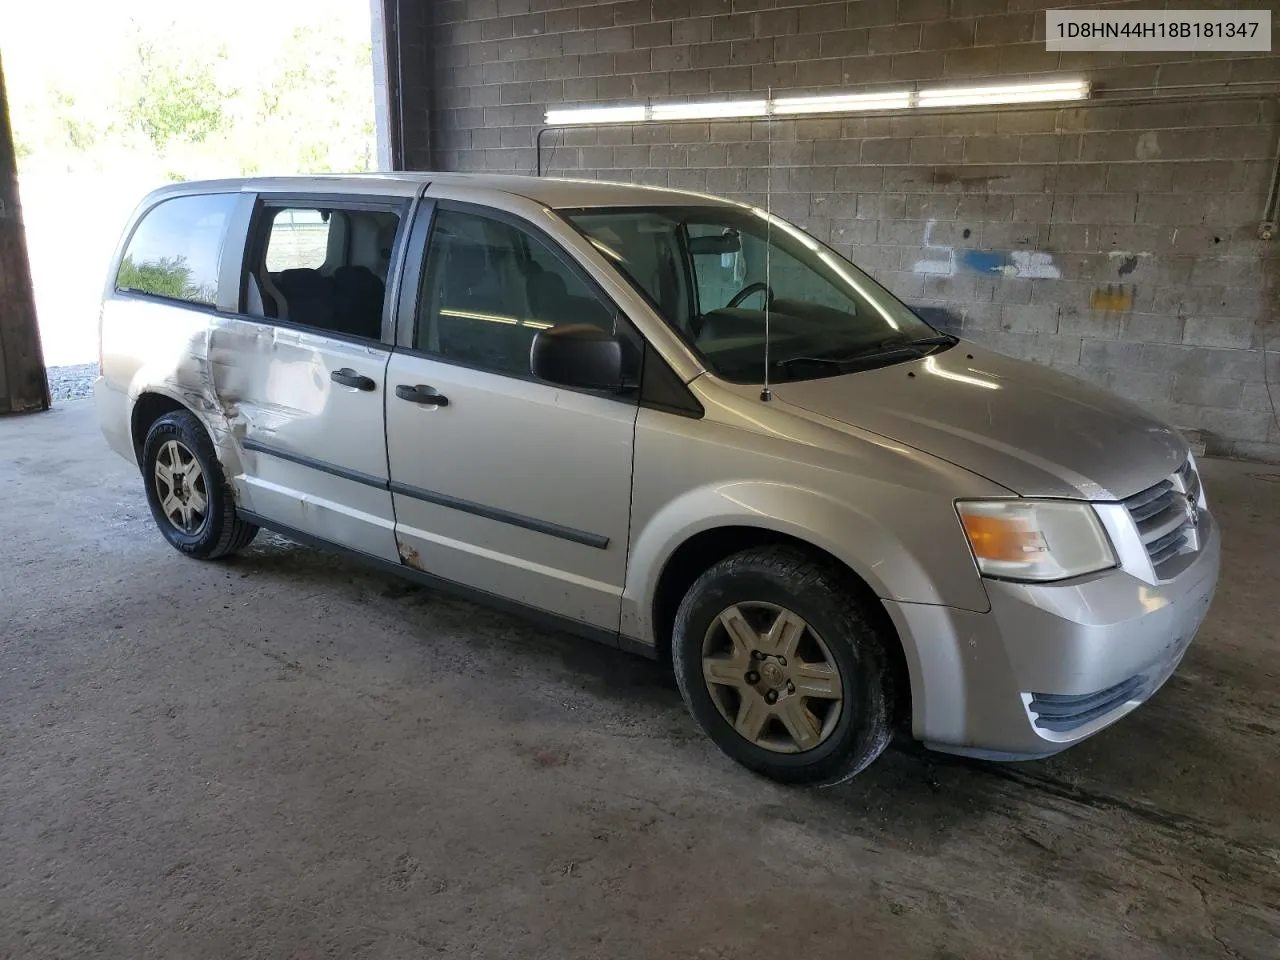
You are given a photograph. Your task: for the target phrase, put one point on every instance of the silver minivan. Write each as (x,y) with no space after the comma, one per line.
(670,422)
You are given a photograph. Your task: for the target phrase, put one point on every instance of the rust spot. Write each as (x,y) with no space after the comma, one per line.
(1111,298)
(409,556)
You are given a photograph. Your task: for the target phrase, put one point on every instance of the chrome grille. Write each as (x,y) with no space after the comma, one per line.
(1166,519)
(1190,480)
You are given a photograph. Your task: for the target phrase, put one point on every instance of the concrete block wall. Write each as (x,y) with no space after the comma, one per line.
(1116,240)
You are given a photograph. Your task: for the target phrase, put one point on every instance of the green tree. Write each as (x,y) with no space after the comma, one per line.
(166,277)
(177,101)
(319,109)
(79,132)
(179,104)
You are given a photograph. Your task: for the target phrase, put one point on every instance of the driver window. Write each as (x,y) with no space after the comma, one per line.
(489,287)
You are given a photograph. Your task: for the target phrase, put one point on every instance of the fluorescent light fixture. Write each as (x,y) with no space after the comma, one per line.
(709,111)
(842,103)
(576,115)
(1006,93)
(1047,92)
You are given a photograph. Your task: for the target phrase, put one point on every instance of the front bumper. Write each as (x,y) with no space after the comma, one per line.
(1050,664)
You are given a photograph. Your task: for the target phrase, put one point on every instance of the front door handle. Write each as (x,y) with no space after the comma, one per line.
(422,394)
(349,378)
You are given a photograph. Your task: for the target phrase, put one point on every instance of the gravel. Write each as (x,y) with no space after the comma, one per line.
(73,382)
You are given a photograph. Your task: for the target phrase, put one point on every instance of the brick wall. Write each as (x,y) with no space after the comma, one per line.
(1115,240)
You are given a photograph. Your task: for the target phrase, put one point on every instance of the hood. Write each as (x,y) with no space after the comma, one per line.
(1024,426)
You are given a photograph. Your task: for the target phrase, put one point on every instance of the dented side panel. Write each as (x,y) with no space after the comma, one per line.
(152,347)
(271,385)
(312,452)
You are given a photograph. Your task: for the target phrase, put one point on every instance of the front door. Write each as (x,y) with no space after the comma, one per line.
(500,482)
(300,374)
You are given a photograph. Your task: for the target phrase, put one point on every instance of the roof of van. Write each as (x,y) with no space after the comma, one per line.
(554,192)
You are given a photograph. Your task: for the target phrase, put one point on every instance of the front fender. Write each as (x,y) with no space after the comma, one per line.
(860,539)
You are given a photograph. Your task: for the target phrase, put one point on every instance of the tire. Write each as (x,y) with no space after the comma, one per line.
(208,534)
(834,628)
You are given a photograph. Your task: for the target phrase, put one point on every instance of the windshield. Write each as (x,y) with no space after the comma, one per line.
(715,273)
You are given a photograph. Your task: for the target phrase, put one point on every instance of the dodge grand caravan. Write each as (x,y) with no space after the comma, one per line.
(670,422)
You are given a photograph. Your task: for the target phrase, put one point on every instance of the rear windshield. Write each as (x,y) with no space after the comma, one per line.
(174,251)
(720,274)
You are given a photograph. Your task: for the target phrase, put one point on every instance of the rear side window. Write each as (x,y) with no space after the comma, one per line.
(174,251)
(321,267)
(299,240)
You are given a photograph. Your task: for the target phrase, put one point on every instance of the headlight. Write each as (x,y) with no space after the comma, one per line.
(1035,539)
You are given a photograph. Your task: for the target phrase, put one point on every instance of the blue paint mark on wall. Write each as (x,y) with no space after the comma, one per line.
(944,260)
(984,261)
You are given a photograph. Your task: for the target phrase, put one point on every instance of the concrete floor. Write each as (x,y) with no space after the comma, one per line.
(286,756)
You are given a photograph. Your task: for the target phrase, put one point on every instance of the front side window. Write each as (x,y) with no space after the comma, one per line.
(489,287)
(174,251)
(720,275)
(323,267)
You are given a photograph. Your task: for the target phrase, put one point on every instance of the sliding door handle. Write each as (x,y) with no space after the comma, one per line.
(349,378)
(421,393)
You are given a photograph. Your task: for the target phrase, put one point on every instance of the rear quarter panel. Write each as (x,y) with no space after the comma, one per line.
(150,346)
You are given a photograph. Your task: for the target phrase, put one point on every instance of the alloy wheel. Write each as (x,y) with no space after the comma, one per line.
(181,488)
(772,677)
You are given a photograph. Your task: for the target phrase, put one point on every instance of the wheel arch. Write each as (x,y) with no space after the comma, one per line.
(153,400)
(222,531)
(705,548)
(149,407)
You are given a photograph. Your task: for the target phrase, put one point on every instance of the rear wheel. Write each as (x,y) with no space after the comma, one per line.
(781,667)
(187,490)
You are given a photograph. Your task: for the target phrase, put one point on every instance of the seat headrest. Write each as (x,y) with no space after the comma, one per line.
(300,275)
(356,273)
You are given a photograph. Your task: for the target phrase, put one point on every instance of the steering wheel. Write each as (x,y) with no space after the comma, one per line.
(749,290)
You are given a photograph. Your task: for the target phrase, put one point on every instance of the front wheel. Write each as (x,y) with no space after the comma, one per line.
(781,666)
(187,491)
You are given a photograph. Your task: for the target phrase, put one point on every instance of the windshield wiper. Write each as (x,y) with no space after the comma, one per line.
(897,345)
(937,340)
(887,346)
(789,362)
(890,348)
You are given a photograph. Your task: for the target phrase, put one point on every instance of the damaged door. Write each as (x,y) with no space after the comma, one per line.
(300,373)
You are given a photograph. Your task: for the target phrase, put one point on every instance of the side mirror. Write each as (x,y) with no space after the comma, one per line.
(577,355)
